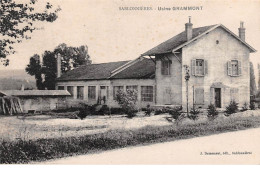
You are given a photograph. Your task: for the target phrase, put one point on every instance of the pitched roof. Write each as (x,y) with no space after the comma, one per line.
(180,40)
(143,69)
(35,92)
(91,72)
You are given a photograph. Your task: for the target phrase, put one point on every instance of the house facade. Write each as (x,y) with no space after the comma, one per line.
(216,60)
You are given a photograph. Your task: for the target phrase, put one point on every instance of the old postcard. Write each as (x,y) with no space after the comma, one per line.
(131,82)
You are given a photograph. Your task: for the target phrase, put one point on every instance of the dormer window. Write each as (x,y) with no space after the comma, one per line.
(166,67)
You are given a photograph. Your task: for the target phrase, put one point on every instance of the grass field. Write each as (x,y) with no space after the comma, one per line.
(44,137)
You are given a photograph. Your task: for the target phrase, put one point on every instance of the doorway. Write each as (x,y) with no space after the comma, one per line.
(218,97)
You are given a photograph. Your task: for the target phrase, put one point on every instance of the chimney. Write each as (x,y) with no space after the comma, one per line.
(242,31)
(188,29)
(58,65)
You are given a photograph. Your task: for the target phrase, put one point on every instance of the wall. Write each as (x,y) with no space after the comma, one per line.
(168,87)
(74,102)
(217,56)
(42,103)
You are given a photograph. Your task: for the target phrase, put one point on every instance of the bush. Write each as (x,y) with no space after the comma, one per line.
(115,110)
(245,107)
(252,105)
(128,102)
(231,108)
(175,112)
(104,110)
(194,114)
(212,111)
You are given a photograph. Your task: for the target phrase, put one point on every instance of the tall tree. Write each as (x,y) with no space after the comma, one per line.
(35,68)
(252,80)
(45,74)
(17,20)
(72,57)
(49,69)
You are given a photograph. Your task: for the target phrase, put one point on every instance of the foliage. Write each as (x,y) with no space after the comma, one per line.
(253,89)
(114,110)
(231,108)
(212,111)
(244,107)
(45,149)
(175,112)
(34,68)
(45,74)
(252,105)
(194,114)
(104,110)
(17,21)
(72,57)
(127,100)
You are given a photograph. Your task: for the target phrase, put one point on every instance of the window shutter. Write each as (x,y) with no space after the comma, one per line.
(229,68)
(239,68)
(205,67)
(193,66)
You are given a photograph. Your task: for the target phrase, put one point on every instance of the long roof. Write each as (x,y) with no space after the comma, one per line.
(180,40)
(35,92)
(91,72)
(142,69)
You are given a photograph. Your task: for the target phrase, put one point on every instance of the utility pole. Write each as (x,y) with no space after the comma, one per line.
(187,77)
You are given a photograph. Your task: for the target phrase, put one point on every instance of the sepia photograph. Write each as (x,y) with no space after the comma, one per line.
(130,82)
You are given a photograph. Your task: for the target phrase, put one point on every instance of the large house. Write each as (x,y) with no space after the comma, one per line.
(216,59)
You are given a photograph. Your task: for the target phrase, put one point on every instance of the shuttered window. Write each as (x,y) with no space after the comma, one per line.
(199,96)
(234,68)
(199,67)
(166,67)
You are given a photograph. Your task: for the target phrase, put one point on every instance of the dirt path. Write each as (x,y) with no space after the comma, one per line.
(182,152)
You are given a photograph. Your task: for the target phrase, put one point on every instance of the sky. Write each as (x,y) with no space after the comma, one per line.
(116,35)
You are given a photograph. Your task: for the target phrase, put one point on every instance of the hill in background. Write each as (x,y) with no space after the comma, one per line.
(14,79)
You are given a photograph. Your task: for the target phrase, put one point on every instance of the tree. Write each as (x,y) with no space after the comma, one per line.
(45,74)
(17,21)
(34,68)
(72,57)
(252,80)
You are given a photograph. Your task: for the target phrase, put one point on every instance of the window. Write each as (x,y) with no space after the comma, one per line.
(70,90)
(199,67)
(234,68)
(166,67)
(60,87)
(80,92)
(147,93)
(199,96)
(116,89)
(92,92)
